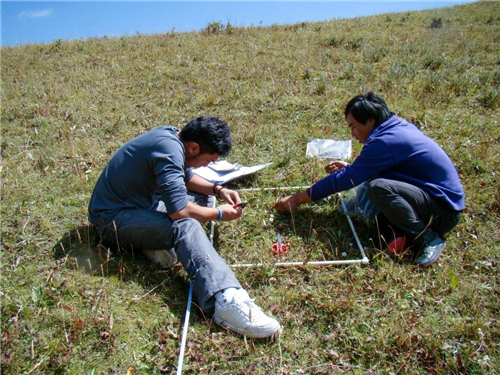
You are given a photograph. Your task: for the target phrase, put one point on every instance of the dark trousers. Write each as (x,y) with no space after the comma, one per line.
(412,210)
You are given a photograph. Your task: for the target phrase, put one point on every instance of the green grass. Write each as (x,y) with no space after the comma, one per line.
(69,306)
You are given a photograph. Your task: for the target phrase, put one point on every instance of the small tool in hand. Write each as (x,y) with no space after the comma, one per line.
(241,204)
(278,247)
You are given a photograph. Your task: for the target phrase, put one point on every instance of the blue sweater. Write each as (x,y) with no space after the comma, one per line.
(144,170)
(398,150)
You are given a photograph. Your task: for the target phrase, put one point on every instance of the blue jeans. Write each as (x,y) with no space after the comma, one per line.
(154,230)
(412,210)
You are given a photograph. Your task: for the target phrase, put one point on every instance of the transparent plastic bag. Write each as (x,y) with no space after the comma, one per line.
(357,203)
(328,148)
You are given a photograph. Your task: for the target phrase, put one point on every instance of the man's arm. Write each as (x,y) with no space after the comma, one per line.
(290,203)
(202,186)
(203,214)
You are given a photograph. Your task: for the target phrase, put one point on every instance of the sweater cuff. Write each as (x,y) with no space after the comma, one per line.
(309,192)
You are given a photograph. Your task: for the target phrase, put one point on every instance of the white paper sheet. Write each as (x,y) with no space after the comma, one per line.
(222,177)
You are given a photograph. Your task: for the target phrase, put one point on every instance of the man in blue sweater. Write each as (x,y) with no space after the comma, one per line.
(411,179)
(140,202)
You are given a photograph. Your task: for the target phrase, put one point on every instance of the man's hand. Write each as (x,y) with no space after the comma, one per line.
(230,196)
(290,203)
(229,212)
(335,166)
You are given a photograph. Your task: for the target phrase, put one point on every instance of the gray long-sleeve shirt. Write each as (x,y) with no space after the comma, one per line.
(144,170)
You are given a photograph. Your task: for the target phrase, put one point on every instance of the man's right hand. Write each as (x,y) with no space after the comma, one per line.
(230,213)
(290,203)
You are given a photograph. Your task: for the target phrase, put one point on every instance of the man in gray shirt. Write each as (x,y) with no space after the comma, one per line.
(140,202)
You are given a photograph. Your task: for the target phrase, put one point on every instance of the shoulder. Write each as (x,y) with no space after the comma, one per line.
(163,135)
(164,131)
(396,130)
(396,124)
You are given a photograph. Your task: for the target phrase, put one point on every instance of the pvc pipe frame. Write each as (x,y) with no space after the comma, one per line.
(184,330)
(188,310)
(364,259)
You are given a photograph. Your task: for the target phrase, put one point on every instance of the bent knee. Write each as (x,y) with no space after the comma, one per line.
(379,189)
(188,224)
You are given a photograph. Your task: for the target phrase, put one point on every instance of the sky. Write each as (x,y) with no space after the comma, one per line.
(30,22)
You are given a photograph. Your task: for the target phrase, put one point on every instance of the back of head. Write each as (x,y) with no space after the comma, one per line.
(368,106)
(212,135)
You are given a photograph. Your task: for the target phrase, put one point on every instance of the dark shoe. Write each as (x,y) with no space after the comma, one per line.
(430,253)
(398,245)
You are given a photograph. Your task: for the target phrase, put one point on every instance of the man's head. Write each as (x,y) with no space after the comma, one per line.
(205,139)
(365,112)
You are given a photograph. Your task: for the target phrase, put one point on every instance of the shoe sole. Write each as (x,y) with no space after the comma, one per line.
(243,332)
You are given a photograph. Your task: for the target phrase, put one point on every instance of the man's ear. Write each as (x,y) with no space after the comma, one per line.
(193,149)
(370,122)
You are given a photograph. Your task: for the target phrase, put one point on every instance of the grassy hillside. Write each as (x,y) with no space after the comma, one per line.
(69,307)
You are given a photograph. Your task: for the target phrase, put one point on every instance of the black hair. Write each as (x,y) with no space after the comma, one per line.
(212,135)
(368,106)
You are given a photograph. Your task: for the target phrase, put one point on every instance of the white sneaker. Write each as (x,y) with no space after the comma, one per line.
(165,258)
(243,316)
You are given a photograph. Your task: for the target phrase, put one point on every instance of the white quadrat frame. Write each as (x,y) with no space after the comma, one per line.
(362,260)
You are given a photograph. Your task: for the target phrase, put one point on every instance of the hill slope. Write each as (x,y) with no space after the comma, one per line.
(67,106)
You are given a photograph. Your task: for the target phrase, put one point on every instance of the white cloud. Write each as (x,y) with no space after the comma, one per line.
(36,13)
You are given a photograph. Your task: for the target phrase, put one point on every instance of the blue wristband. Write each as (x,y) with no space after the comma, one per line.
(220,214)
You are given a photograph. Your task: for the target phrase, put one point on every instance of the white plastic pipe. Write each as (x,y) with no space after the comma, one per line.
(274,188)
(184,330)
(188,310)
(364,259)
(295,264)
(362,251)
